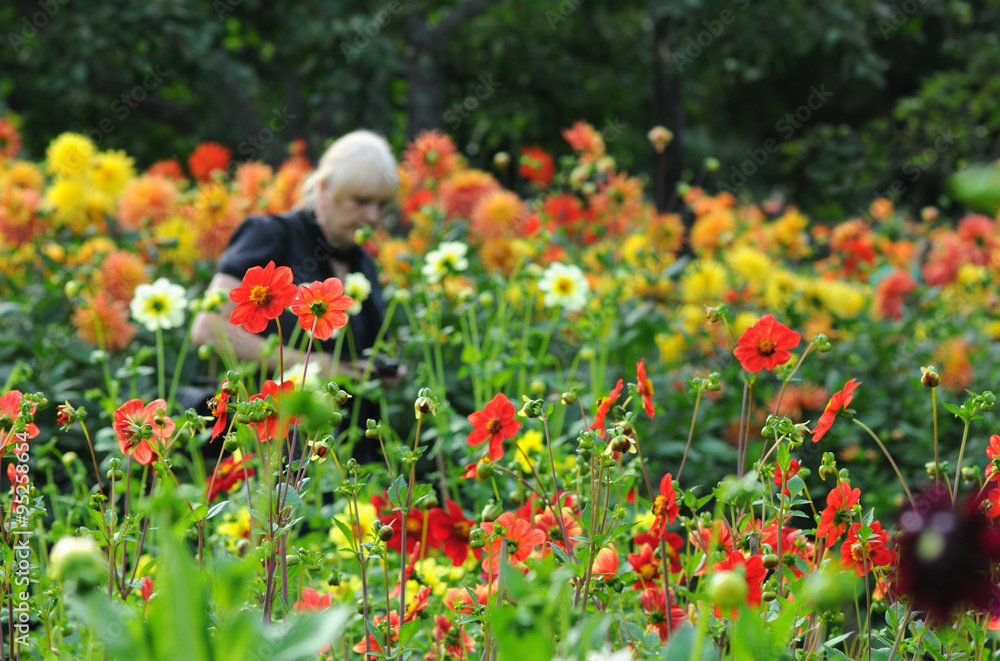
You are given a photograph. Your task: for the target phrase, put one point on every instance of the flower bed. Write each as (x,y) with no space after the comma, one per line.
(616,433)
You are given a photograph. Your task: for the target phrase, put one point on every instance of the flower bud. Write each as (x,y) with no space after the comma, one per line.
(491,511)
(711,164)
(385,533)
(231,443)
(484,471)
(727,589)
(568,398)
(501,160)
(929,377)
(77,559)
(770,561)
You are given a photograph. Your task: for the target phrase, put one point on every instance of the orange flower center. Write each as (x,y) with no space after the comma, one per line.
(462,531)
(647,571)
(861,551)
(765,346)
(494,425)
(660,505)
(260,295)
(413,526)
(646,387)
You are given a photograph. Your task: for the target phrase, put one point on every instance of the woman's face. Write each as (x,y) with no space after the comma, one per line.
(341,217)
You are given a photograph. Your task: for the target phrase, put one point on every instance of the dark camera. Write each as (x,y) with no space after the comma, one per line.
(385,366)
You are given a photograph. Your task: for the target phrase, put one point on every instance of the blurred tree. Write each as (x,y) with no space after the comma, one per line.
(829,103)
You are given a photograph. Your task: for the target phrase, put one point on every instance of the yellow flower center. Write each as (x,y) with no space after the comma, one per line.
(156,305)
(260,295)
(563,285)
(493,426)
(660,506)
(647,387)
(647,571)
(861,551)
(765,347)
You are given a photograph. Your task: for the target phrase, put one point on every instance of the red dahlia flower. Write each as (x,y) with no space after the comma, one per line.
(311,601)
(218,408)
(861,556)
(645,388)
(665,506)
(603,407)
(834,519)
(993,451)
(536,166)
(654,604)
(495,422)
(206,159)
(840,401)
(275,426)
(521,537)
(449,531)
(323,304)
(228,475)
(606,563)
(132,415)
(10,408)
(765,345)
(263,296)
(753,573)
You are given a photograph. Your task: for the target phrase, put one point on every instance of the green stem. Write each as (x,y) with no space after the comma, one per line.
(178,368)
(958,468)
(161,377)
(694,418)
(888,456)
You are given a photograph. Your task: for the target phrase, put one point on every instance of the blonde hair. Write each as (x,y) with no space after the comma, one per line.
(359,164)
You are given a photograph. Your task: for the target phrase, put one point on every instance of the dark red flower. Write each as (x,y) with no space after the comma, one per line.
(946,556)
(603,407)
(495,422)
(449,531)
(840,401)
(263,296)
(765,345)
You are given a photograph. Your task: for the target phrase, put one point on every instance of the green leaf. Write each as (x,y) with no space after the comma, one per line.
(407,631)
(397,492)
(784,458)
(348,533)
(217,509)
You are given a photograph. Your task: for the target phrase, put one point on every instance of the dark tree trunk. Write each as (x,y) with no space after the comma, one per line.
(668,111)
(425,69)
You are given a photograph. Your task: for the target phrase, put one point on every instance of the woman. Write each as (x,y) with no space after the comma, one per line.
(355,182)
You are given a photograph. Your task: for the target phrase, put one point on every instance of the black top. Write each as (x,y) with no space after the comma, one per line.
(294,239)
